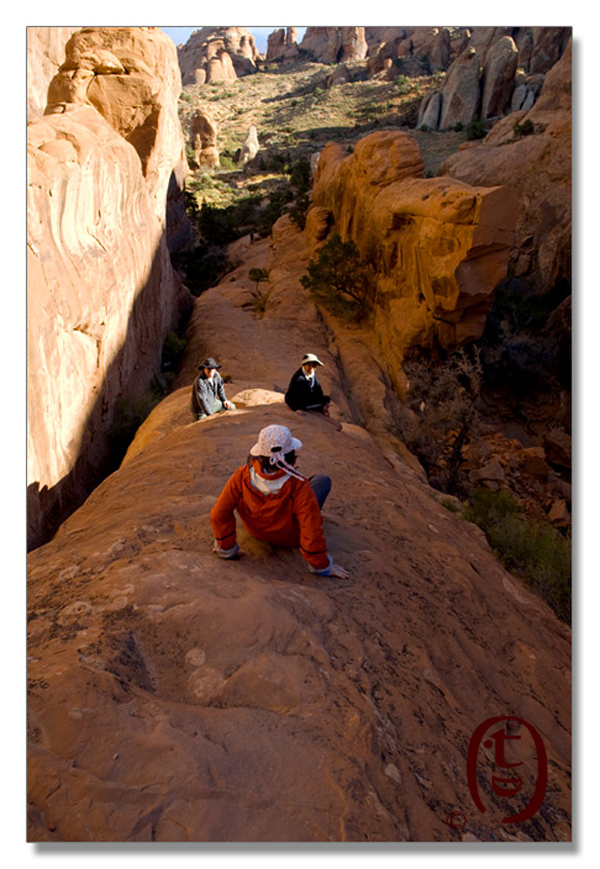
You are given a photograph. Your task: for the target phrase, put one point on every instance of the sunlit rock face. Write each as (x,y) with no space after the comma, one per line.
(335,44)
(437,247)
(45,54)
(101,290)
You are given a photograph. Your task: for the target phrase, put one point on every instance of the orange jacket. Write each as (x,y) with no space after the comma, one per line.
(290,517)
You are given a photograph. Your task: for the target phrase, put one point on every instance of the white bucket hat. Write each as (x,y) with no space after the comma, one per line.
(310,357)
(275,441)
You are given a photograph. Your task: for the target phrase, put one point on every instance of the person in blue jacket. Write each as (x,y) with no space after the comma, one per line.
(305,392)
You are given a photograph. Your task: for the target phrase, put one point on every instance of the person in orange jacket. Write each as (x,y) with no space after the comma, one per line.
(276,503)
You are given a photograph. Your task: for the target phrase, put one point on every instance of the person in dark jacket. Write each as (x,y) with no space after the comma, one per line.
(305,392)
(208,392)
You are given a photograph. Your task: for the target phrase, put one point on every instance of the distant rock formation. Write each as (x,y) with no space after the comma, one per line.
(538,166)
(498,70)
(282,44)
(458,101)
(101,290)
(418,49)
(217,54)
(335,44)
(437,248)
(203,134)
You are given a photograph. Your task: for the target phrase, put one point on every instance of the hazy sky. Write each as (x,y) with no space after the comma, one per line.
(181,35)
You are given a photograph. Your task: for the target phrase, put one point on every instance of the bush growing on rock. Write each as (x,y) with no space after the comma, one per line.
(341,280)
(536,552)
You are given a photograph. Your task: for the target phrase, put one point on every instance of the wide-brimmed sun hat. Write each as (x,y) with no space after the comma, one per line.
(275,441)
(209,362)
(310,357)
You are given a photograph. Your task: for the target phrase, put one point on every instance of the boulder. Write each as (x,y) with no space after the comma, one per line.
(219,68)
(491,475)
(484,38)
(460,94)
(430,43)
(498,77)
(437,249)
(538,167)
(557,446)
(340,75)
(559,515)
(250,148)
(533,462)
(429,113)
(549,44)
(203,134)
(518,97)
(101,290)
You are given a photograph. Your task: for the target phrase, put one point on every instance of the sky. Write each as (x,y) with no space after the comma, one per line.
(180,35)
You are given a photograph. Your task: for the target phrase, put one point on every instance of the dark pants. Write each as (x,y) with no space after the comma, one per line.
(321,486)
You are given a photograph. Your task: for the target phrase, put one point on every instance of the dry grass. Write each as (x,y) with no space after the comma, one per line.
(295,115)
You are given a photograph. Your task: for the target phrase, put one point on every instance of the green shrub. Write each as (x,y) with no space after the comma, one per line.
(524,129)
(172,351)
(226,162)
(534,551)
(340,279)
(258,276)
(476,129)
(299,210)
(403,83)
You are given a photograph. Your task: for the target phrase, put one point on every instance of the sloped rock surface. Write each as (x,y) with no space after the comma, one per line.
(177,697)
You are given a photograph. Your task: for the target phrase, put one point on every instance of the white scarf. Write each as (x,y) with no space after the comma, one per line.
(267,487)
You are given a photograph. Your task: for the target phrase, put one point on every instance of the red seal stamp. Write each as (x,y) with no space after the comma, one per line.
(508,781)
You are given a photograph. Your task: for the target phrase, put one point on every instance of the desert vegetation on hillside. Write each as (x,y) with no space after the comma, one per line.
(295,114)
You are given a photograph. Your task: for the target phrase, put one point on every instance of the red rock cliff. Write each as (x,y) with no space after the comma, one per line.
(437,246)
(101,290)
